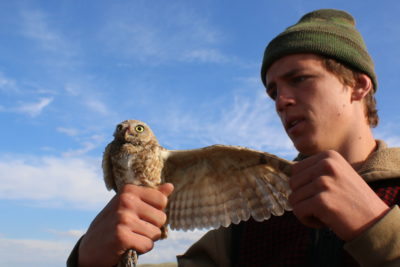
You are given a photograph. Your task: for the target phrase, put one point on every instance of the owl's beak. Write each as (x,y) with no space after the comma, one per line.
(128,132)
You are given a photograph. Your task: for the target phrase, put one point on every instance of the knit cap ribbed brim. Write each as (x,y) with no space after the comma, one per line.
(327,32)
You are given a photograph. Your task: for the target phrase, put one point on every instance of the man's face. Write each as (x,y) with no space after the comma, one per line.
(314,106)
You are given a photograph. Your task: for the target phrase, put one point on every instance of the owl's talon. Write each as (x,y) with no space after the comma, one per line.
(128,259)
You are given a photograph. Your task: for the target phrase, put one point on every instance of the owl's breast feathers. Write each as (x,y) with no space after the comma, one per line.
(135,164)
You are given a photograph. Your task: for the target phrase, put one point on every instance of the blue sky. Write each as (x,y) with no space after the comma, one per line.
(71,70)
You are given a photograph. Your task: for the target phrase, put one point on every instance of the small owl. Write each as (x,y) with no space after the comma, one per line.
(214,186)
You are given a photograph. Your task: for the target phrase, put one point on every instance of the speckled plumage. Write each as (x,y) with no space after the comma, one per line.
(214,186)
(132,157)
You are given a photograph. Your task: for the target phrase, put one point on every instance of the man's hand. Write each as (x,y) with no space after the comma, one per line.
(132,219)
(327,191)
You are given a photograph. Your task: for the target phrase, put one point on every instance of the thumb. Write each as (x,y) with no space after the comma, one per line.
(166,189)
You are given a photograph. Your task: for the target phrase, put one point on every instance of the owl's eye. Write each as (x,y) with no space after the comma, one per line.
(119,127)
(139,128)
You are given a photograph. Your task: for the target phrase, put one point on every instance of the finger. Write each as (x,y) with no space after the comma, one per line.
(146,229)
(166,189)
(155,198)
(133,226)
(137,205)
(310,189)
(151,196)
(305,176)
(306,213)
(138,242)
(312,160)
(153,216)
(306,163)
(323,164)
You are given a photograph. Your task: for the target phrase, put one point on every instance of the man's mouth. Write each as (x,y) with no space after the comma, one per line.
(292,123)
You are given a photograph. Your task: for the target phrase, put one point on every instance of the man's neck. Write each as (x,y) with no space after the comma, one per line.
(356,150)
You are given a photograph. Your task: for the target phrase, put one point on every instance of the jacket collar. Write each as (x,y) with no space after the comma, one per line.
(383,163)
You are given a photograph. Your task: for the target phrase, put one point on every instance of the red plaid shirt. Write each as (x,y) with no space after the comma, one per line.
(284,241)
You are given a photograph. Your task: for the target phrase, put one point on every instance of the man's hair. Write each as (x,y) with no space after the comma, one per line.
(349,77)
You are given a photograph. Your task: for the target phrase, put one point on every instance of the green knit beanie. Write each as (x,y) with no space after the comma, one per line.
(327,32)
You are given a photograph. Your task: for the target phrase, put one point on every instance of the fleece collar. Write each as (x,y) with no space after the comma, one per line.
(383,163)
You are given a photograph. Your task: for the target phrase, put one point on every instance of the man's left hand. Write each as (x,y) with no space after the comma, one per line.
(327,191)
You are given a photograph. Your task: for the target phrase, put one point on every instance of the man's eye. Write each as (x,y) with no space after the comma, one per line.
(299,79)
(272,93)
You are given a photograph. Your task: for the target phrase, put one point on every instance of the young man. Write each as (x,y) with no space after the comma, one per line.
(344,187)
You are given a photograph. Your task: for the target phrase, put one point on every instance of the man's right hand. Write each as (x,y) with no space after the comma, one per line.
(131,220)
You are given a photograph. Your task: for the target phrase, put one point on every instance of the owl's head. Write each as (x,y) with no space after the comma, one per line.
(134,132)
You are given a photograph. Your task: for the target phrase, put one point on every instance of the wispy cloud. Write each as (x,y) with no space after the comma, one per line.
(33,109)
(52,181)
(205,55)
(98,106)
(85,142)
(389,133)
(68,131)
(87,146)
(36,26)
(248,120)
(176,244)
(73,233)
(186,36)
(87,95)
(31,252)
(46,253)
(7,85)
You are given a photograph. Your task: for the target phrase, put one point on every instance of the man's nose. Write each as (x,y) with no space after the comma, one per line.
(284,98)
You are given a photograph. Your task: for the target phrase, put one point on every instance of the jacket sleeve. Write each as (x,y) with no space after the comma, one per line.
(213,249)
(380,244)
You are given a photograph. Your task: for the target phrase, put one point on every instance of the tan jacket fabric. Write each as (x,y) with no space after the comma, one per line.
(377,246)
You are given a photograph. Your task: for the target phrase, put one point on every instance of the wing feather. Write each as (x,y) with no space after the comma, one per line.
(107,168)
(220,185)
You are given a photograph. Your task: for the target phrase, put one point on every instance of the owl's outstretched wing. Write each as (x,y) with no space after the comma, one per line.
(220,185)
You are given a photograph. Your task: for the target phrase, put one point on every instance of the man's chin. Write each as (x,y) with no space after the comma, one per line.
(305,147)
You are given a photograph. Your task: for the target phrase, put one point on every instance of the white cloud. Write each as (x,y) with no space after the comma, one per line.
(186,36)
(90,143)
(87,146)
(89,96)
(248,120)
(37,27)
(73,89)
(34,109)
(76,234)
(389,133)
(6,84)
(35,253)
(52,181)
(46,253)
(205,55)
(393,141)
(176,244)
(68,131)
(97,106)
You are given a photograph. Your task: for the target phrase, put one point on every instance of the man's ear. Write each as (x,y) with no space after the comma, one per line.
(362,88)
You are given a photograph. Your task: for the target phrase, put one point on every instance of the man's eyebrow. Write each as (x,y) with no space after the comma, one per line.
(286,75)
(292,72)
